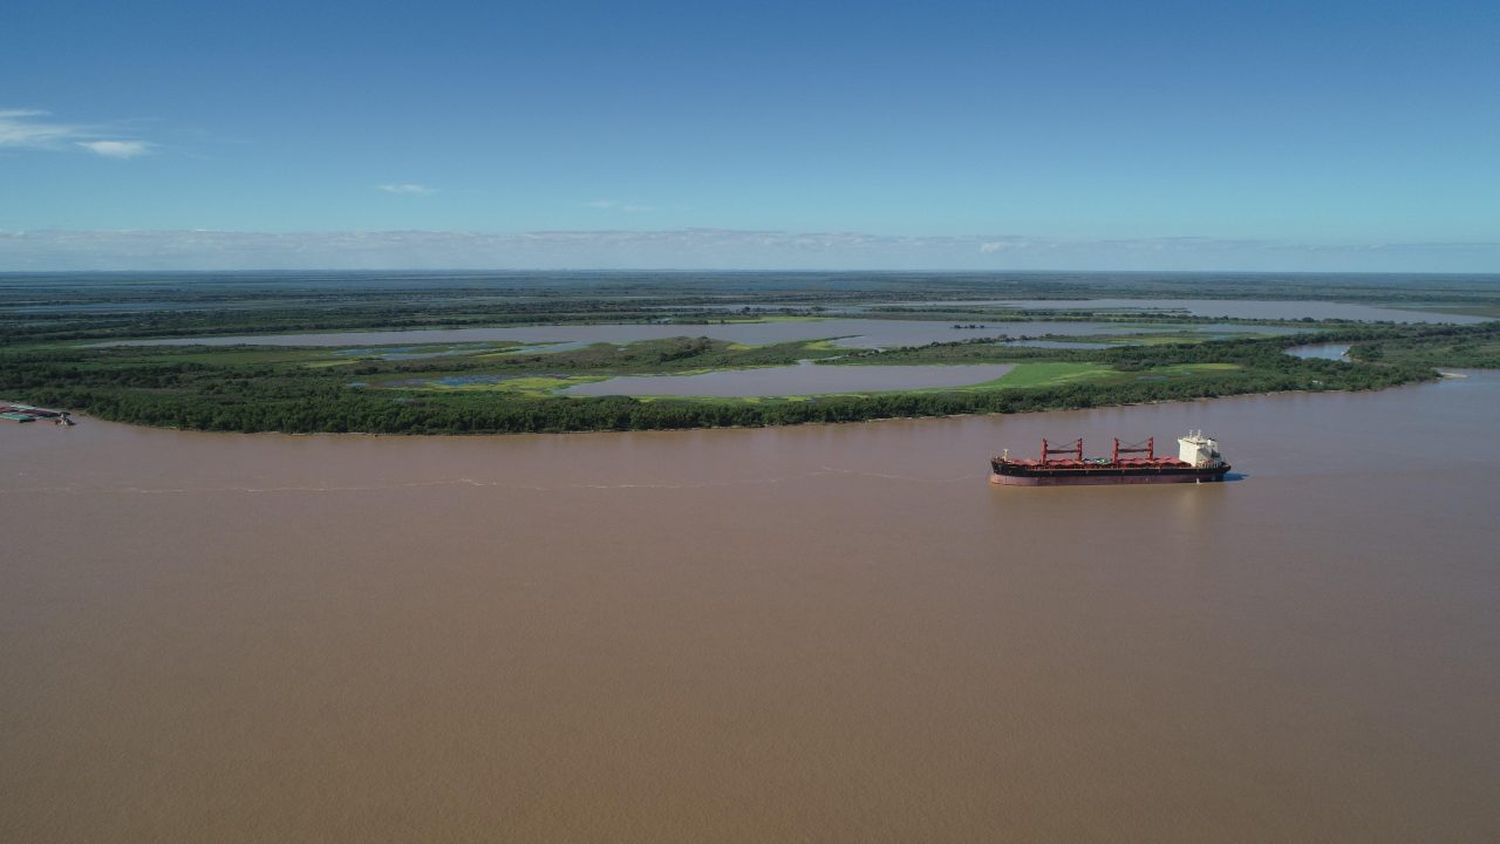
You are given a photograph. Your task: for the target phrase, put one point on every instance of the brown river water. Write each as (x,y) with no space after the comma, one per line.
(824,633)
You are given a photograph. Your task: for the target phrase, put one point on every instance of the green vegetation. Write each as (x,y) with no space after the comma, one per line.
(235,389)
(48,356)
(1473,347)
(1052,374)
(535,386)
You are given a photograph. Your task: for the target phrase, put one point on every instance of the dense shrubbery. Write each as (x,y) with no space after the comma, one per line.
(1476,346)
(148,387)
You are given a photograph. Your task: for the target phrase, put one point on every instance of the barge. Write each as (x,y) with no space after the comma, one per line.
(17,412)
(1198,460)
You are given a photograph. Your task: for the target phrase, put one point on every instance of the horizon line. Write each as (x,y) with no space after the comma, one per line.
(706,249)
(745,270)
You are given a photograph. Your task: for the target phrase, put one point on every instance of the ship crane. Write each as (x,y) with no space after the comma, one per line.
(1076,449)
(1147,448)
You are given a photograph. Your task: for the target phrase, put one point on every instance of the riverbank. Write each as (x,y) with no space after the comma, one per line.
(305,390)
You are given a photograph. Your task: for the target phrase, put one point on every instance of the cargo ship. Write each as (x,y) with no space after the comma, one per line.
(1197,460)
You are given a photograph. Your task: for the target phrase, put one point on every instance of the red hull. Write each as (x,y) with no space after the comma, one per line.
(1101,480)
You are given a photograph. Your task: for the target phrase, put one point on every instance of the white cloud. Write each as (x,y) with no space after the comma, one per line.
(116,149)
(406,189)
(28,128)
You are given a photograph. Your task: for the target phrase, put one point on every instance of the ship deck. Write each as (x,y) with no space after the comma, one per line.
(1122,463)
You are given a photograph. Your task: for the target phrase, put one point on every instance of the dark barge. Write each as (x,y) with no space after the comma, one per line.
(17,412)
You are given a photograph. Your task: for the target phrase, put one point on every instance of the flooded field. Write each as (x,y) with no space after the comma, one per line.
(801,380)
(853,333)
(1321,351)
(1232,308)
(816,633)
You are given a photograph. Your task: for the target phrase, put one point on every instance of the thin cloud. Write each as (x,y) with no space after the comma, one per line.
(28,129)
(116,149)
(406,189)
(34,129)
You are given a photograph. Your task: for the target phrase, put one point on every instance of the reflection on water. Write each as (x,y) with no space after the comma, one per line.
(1321,351)
(820,633)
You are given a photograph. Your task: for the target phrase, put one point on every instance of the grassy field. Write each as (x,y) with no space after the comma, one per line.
(534,386)
(1051,374)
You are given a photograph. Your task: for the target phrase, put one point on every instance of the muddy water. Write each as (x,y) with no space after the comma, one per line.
(820,633)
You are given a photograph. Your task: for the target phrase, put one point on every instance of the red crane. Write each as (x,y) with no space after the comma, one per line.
(1076,449)
(1149,449)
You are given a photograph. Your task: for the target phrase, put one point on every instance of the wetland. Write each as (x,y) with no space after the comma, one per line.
(492,353)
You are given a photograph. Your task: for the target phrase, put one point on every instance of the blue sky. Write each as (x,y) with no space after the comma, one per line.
(967,135)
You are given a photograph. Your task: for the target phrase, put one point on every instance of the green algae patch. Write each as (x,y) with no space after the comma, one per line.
(1049,375)
(531,386)
(1186,369)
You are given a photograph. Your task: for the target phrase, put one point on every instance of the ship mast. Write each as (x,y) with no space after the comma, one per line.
(1149,449)
(1076,449)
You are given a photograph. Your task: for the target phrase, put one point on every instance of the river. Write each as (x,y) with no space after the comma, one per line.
(812,633)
